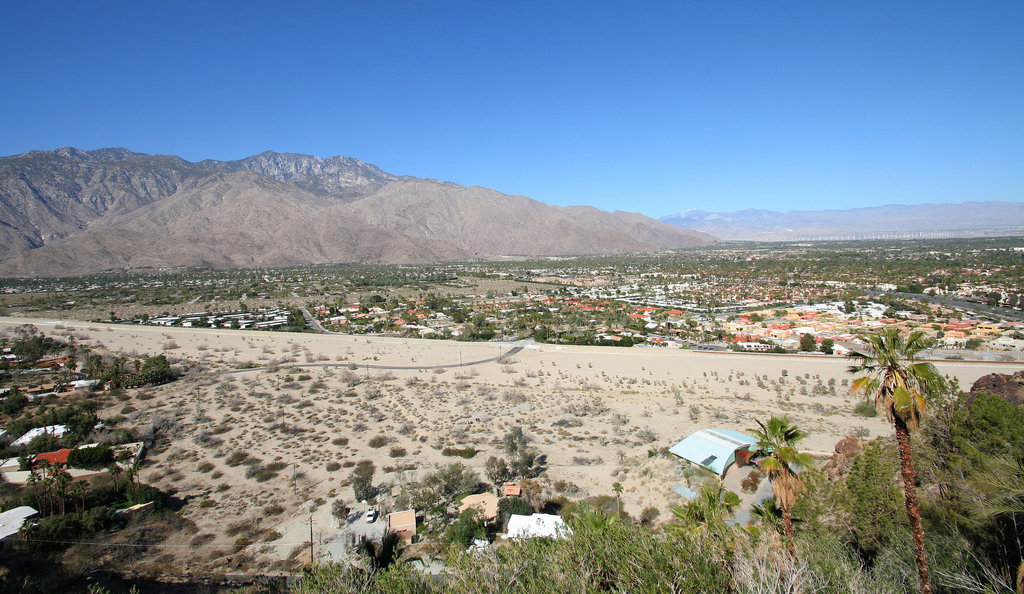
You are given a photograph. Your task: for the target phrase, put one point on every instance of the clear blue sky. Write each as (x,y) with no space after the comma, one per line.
(649,107)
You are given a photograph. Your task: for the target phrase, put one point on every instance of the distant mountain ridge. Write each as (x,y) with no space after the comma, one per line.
(966,218)
(69,211)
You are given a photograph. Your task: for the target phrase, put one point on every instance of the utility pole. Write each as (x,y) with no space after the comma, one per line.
(310,540)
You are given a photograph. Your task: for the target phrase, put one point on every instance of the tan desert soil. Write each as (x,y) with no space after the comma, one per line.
(416,395)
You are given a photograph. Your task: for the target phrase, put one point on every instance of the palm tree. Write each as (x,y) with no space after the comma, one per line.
(115,471)
(587,517)
(779,458)
(383,555)
(62,481)
(708,511)
(617,487)
(79,489)
(33,482)
(1001,480)
(900,384)
(768,514)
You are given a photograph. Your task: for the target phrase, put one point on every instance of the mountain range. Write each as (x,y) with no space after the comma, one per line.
(897,220)
(69,211)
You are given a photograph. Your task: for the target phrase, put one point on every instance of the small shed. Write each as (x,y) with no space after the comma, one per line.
(714,449)
(404,524)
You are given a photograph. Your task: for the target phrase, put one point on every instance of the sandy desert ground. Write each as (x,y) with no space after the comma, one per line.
(313,406)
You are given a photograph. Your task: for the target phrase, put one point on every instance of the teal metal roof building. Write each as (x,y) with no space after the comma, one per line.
(714,449)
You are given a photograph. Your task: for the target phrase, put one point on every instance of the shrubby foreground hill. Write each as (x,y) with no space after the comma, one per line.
(72,212)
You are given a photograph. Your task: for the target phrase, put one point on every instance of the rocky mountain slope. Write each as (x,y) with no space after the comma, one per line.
(73,212)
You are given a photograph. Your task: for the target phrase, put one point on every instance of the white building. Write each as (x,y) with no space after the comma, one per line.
(54,430)
(12,520)
(537,526)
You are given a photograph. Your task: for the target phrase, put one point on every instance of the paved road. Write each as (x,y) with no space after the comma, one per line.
(999,312)
(313,323)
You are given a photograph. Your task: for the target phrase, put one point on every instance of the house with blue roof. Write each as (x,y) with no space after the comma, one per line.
(715,449)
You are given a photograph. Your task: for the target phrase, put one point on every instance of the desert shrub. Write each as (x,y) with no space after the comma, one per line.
(340,441)
(648,515)
(378,441)
(332,466)
(466,452)
(865,408)
(397,452)
(205,467)
(237,458)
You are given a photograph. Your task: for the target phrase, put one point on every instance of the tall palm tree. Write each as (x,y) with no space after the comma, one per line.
(901,383)
(79,489)
(777,456)
(62,481)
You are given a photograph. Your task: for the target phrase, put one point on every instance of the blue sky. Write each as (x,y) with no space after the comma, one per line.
(651,107)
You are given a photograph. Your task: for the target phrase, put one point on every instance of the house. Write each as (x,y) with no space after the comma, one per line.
(537,526)
(487,503)
(512,490)
(54,430)
(403,523)
(11,522)
(58,457)
(715,449)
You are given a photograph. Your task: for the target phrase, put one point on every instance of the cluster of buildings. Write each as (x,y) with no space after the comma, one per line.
(258,318)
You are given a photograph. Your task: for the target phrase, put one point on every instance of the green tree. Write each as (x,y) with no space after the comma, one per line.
(807,343)
(497,470)
(362,480)
(778,457)
(508,506)
(156,370)
(452,480)
(901,385)
(870,496)
(468,525)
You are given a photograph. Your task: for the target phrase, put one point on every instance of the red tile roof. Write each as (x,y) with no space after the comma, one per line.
(58,457)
